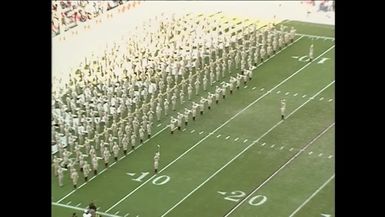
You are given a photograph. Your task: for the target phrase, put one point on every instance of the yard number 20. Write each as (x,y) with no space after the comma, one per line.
(254,201)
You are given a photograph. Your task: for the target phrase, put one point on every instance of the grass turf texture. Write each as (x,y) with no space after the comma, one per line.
(234,150)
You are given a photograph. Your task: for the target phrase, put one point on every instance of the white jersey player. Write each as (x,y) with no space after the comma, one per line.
(74,177)
(86,170)
(95,163)
(283,108)
(149,129)
(311,52)
(115,150)
(106,156)
(156,161)
(180,117)
(60,171)
(172,125)
(56,164)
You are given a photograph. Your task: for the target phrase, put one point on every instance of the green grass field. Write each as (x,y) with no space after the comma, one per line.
(239,158)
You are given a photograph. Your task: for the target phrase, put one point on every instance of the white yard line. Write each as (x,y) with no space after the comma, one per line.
(316,36)
(164,214)
(82,209)
(188,150)
(255,141)
(308,199)
(277,171)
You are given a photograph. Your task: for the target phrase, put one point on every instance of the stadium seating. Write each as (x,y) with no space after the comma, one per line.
(68,14)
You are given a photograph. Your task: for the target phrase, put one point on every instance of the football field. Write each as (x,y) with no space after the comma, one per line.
(239,158)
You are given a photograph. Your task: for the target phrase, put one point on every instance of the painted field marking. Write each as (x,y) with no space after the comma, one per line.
(82,209)
(316,36)
(227,137)
(244,141)
(255,101)
(236,139)
(295,94)
(310,153)
(164,214)
(73,191)
(277,171)
(263,144)
(219,136)
(192,131)
(311,196)
(278,91)
(304,96)
(253,88)
(201,132)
